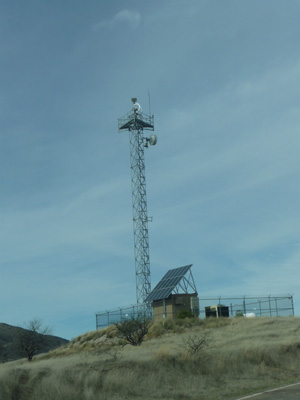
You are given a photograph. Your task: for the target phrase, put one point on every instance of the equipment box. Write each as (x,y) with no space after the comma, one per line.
(217,311)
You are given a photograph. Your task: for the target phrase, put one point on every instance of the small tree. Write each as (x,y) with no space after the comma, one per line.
(33,338)
(134,330)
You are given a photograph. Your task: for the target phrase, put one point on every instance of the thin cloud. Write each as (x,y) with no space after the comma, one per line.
(133,18)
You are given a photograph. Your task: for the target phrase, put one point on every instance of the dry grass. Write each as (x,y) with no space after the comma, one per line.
(240,356)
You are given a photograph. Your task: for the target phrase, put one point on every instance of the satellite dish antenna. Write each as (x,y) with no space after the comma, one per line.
(153,140)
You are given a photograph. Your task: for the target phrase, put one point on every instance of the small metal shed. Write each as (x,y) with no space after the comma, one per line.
(175,292)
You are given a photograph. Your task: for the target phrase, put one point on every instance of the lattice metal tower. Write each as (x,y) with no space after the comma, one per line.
(135,122)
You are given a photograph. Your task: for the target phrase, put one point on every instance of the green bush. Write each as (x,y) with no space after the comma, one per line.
(185,314)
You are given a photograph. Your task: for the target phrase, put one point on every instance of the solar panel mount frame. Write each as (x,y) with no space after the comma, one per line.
(173,281)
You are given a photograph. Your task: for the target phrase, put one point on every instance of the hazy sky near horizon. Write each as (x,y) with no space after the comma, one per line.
(222,182)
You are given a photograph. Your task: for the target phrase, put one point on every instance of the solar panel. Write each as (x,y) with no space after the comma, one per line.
(167,284)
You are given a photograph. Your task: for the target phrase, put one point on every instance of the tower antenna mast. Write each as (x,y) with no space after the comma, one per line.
(135,122)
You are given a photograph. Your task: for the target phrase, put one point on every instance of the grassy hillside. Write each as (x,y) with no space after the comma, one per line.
(9,338)
(238,356)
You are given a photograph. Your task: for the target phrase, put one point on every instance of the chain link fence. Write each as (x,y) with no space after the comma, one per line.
(268,306)
(117,315)
(247,306)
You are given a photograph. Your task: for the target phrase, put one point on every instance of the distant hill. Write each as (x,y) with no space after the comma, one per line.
(9,350)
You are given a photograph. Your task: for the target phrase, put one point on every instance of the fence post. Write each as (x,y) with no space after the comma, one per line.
(244,305)
(270,306)
(259,302)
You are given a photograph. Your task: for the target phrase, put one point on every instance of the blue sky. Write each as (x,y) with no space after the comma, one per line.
(222,181)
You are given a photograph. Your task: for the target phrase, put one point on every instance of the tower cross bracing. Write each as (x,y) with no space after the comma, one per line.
(135,122)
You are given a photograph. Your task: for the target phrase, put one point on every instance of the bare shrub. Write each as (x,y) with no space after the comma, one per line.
(194,344)
(134,330)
